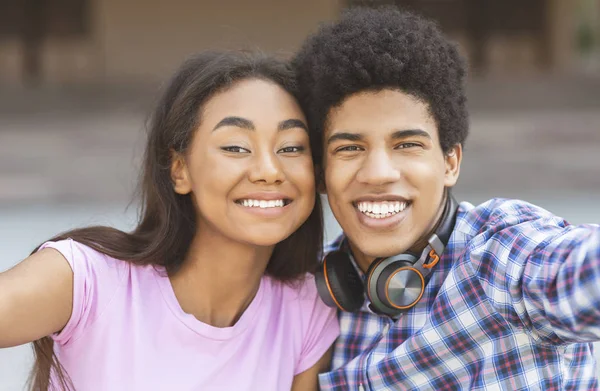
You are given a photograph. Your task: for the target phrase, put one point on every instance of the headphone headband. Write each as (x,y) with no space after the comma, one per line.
(439,240)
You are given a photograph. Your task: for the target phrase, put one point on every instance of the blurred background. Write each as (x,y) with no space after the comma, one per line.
(78,78)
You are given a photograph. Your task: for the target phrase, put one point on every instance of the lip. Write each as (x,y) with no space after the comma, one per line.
(266,196)
(265,212)
(386,223)
(381,197)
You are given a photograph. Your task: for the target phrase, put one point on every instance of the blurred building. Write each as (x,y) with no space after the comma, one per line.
(512,36)
(140,40)
(114,41)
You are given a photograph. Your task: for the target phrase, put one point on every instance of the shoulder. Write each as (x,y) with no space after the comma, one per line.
(96,276)
(311,326)
(299,300)
(88,262)
(96,279)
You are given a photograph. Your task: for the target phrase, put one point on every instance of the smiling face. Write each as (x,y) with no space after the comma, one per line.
(249,166)
(385,172)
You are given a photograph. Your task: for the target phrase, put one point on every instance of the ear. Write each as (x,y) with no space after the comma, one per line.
(452,159)
(179,174)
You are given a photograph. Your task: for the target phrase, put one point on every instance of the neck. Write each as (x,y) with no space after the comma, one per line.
(219,278)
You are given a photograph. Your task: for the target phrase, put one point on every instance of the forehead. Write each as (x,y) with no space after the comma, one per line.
(384,110)
(255,99)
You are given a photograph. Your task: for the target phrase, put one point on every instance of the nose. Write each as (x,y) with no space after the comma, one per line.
(266,168)
(378,169)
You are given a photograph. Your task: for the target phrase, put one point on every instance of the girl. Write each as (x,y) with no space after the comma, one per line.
(210,291)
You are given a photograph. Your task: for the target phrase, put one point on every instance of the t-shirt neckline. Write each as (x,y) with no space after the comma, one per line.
(206,330)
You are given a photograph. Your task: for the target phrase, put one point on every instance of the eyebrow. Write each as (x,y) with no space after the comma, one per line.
(238,122)
(410,133)
(244,123)
(291,124)
(399,134)
(345,136)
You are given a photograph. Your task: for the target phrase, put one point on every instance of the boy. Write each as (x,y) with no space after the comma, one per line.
(434,294)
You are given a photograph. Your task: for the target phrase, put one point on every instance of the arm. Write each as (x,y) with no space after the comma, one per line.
(561,286)
(308,380)
(36,298)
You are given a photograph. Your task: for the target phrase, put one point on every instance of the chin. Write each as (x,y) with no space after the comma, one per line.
(385,252)
(265,240)
(381,248)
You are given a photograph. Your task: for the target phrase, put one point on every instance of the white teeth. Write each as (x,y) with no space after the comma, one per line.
(380,210)
(262,203)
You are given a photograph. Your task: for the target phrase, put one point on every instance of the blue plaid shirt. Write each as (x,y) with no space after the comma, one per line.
(513,304)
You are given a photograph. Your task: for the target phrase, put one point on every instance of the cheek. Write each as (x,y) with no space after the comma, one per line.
(425,174)
(215,177)
(338,177)
(428,179)
(301,174)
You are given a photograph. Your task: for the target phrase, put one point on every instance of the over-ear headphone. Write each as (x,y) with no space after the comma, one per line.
(394,284)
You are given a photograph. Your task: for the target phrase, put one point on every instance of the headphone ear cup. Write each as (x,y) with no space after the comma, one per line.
(339,284)
(377,278)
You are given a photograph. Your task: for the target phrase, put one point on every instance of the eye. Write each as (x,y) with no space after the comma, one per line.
(235,149)
(349,148)
(292,149)
(407,145)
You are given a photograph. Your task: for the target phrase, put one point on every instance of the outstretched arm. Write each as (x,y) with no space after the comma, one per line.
(561,286)
(36,298)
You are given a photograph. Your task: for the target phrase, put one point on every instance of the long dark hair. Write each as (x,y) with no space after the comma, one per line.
(167,223)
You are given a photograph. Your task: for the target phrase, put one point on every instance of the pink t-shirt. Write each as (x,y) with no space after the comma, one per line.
(128,332)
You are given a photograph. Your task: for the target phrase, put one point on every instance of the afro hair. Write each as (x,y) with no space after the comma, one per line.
(386,48)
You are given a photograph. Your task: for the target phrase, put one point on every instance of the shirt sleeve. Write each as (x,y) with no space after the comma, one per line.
(322,327)
(561,285)
(541,273)
(95,280)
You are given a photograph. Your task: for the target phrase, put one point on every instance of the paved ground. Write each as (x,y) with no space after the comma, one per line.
(69,158)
